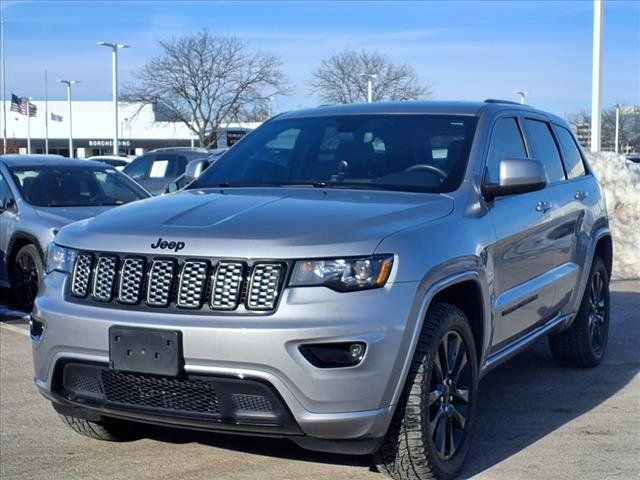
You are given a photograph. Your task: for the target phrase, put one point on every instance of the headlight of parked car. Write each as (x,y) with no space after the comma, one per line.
(343,274)
(60,259)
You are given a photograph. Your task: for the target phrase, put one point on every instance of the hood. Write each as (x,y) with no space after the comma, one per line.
(257,223)
(58,217)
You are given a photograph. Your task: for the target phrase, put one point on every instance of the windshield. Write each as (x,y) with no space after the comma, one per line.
(75,186)
(425,153)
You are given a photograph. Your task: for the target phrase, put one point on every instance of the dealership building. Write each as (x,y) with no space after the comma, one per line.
(141,127)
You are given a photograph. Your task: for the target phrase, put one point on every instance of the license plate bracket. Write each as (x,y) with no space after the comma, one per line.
(145,350)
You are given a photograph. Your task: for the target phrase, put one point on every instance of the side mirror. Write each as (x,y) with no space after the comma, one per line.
(194,169)
(517,176)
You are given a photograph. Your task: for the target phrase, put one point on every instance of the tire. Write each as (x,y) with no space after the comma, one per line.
(584,343)
(412,449)
(108,430)
(26,272)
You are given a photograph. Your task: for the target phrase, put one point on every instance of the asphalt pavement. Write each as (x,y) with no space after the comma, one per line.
(536,421)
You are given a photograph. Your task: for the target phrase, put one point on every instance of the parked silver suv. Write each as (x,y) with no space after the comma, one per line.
(343,277)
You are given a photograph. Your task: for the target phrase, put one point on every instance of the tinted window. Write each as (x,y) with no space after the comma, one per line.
(506,143)
(570,153)
(138,168)
(395,152)
(544,148)
(71,186)
(5,193)
(167,166)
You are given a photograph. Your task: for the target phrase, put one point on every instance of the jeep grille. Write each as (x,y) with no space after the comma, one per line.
(170,282)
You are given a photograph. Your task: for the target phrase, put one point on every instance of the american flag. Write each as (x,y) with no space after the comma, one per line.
(21,104)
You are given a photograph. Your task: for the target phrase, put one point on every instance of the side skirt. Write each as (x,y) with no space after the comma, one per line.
(516,347)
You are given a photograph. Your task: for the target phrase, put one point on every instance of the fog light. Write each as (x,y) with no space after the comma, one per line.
(334,355)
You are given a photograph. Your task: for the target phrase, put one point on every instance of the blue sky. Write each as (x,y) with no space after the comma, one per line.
(464,50)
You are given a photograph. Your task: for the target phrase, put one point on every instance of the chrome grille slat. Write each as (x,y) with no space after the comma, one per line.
(131,279)
(160,282)
(192,283)
(264,286)
(103,278)
(196,284)
(227,286)
(81,275)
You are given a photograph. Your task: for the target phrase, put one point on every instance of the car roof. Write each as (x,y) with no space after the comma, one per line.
(467,108)
(39,160)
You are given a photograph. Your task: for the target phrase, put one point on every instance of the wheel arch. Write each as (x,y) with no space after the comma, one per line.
(19,240)
(450,288)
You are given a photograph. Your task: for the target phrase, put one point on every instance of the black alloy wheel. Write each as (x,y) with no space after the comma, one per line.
(598,311)
(26,272)
(449,390)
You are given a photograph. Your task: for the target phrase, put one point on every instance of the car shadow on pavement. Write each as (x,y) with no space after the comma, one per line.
(529,397)
(265,446)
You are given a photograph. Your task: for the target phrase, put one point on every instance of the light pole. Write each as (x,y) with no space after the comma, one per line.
(596,74)
(370,77)
(617,135)
(522,94)
(114,60)
(68,83)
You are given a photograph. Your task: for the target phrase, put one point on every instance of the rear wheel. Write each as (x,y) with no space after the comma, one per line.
(430,433)
(26,272)
(585,342)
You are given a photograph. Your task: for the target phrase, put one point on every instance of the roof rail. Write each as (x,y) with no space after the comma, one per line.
(193,149)
(497,100)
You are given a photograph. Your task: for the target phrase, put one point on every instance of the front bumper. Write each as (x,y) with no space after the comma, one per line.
(344,403)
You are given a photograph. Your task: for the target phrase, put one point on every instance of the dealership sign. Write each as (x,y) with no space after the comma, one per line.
(108,143)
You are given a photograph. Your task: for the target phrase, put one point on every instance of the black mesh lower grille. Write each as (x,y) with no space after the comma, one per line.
(160,393)
(208,401)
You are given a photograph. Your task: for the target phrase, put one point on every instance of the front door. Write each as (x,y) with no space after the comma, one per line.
(523,284)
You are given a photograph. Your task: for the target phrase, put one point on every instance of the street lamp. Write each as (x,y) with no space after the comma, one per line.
(370,77)
(596,75)
(68,83)
(522,95)
(114,57)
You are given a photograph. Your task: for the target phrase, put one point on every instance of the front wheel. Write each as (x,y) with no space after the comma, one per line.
(430,433)
(584,343)
(26,272)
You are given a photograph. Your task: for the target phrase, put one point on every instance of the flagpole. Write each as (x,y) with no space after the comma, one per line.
(4,82)
(46,115)
(29,126)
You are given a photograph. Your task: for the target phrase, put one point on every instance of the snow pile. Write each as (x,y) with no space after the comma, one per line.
(621,181)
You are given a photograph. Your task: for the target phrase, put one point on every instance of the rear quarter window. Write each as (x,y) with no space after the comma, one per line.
(571,156)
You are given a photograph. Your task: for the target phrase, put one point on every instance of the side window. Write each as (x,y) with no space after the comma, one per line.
(570,153)
(138,168)
(544,148)
(164,166)
(5,192)
(506,143)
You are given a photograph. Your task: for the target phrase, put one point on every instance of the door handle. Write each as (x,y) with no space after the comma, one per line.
(543,207)
(581,195)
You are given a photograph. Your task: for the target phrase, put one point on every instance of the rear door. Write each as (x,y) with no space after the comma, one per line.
(523,289)
(574,198)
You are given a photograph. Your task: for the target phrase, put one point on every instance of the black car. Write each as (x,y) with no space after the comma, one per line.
(156,168)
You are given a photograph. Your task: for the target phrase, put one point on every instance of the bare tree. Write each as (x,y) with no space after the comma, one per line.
(339,78)
(207,81)
(629,126)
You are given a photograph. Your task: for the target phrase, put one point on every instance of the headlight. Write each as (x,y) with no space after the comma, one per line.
(343,274)
(59,258)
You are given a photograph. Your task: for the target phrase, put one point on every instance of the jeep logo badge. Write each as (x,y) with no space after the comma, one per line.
(164,245)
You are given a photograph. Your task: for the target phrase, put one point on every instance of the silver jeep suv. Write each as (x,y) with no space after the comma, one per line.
(343,277)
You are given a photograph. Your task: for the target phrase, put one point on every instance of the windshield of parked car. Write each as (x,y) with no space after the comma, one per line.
(425,153)
(75,186)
